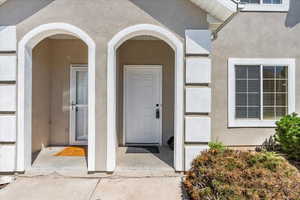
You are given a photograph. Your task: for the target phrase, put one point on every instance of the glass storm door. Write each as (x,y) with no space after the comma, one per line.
(79,105)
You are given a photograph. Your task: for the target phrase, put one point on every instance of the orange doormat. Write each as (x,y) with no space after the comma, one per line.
(72,151)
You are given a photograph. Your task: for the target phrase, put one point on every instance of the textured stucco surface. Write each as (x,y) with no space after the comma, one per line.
(63,54)
(152,52)
(52,60)
(101,20)
(250,35)
(41,96)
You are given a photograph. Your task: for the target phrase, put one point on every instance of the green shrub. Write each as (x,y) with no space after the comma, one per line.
(288,135)
(241,175)
(216,146)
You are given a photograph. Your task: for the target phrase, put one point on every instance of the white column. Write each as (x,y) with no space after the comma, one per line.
(8,96)
(197,94)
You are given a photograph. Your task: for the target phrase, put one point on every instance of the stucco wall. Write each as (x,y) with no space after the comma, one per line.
(52,60)
(251,35)
(151,52)
(41,87)
(248,35)
(63,54)
(101,20)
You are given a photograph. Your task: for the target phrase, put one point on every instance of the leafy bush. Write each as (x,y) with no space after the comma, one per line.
(241,175)
(216,146)
(288,135)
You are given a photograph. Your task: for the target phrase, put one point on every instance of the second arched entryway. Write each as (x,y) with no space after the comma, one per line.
(144,32)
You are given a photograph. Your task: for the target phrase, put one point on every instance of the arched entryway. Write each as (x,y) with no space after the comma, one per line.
(177,46)
(24,111)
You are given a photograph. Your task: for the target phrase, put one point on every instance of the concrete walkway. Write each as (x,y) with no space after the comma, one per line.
(57,187)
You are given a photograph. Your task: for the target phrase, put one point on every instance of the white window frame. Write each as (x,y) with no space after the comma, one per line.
(232,62)
(263,7)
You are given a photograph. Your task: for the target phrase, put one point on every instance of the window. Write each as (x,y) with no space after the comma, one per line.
(265,5)
(262,1)
(261,91)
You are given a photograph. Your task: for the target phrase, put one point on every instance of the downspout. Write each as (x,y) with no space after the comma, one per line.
(238,8)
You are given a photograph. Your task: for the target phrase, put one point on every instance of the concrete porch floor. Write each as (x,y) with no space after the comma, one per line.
(162,162)
(47,161)
(145,161)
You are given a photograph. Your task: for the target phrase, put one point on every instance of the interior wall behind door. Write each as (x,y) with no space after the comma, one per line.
(41,81)
(148,52)
(52,59)
(64,52)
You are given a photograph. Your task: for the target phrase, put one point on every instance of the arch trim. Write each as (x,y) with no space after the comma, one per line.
(177,45)
(24,82)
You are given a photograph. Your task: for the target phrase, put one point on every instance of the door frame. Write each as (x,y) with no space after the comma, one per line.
(126,67)
(72,116)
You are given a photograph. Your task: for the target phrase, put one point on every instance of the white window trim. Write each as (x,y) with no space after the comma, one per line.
(232,62)
(283,7)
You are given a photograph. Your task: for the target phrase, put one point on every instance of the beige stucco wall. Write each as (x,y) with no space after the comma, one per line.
(247,35)
(251,35)
(101,20)
(63,54)
(151,52)
(41,87)
(52,60)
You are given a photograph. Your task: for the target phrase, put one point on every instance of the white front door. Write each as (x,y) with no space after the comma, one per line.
(79,105)
(143,104)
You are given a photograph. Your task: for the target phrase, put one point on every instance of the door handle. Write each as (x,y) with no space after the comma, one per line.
(73,105)
(157,112)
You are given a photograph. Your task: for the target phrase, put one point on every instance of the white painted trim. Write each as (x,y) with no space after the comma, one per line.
(177,45)
(8,128)
(220,9)
(72,118)
(8,38)
(283,7)
(24,82)
(7,153)
(126,67)
(290,63)
(8,67)
(8,98)
(2,2)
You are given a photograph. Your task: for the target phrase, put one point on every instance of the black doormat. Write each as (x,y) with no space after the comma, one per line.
(142,149)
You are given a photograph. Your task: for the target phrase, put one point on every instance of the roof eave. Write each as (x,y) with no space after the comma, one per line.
(2,1)
(219,9)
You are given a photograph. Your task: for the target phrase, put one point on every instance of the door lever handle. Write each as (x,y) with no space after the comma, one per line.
(157,113)
(73,105)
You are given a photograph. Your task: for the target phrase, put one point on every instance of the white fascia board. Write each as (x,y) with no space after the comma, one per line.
(2,1)
(220,9)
